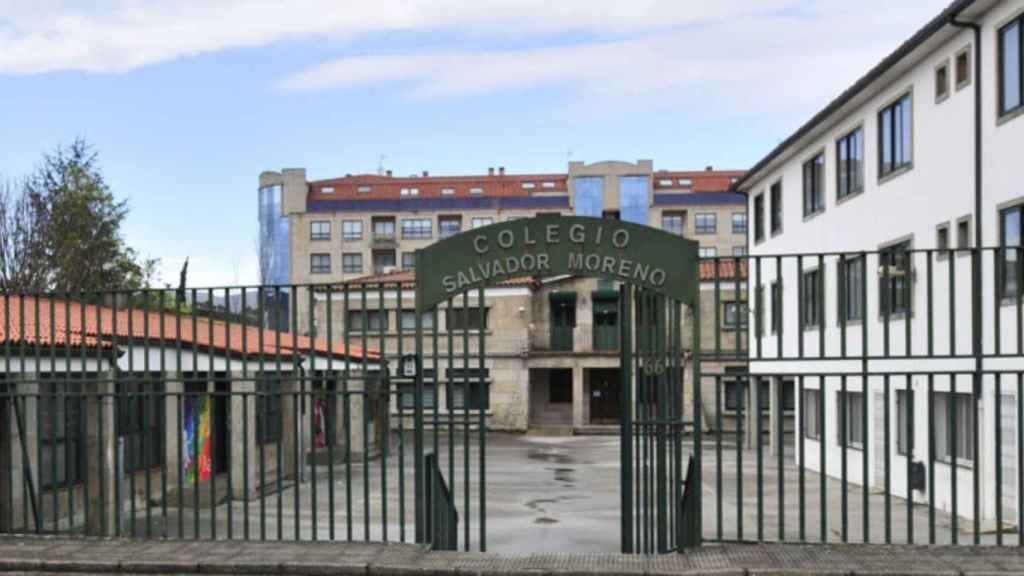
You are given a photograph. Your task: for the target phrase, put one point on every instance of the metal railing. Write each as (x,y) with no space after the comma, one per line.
(904,369)
(442,517)
(226,413)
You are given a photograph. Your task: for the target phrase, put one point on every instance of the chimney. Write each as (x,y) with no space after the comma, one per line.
(709,168)
(388,173)
(425,173)
(490,171)
(501,170)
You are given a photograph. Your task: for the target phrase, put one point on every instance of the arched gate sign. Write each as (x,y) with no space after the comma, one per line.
(657,277)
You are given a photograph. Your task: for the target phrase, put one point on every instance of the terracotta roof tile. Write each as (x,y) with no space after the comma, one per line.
(104,328)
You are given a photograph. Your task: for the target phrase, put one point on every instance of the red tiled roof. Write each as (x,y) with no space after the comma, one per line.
(726,269)
(386,187)
(104,329)
(407,278)
(389,187)
(701,181)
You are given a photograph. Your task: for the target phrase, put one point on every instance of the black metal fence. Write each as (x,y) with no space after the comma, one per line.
(266,412)
(882,400)
(441,515)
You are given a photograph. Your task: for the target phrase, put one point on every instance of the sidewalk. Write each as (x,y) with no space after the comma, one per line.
(23,555)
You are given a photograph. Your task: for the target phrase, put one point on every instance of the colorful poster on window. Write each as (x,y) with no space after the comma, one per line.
(197,439)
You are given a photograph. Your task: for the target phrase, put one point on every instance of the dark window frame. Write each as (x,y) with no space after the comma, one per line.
(851,309)
(852,411)
(811,298)
(1003,111)
(1010,267)
(741,228)
(775,210)
(269,409)
(901,422)
(141,399)
(900,290)
(417,228)
(850,168)
(759,217)
(811,401)
(61,434)
(889,119)
(316,263)
(813,171)
(316,232)
(346,268)
(706,228)
(347,234)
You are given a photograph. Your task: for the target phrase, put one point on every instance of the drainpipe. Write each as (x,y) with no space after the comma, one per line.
(976,264)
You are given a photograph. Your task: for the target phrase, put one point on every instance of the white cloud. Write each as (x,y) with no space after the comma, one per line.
(119,35)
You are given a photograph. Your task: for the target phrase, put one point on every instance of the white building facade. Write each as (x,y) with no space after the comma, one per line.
(887,194)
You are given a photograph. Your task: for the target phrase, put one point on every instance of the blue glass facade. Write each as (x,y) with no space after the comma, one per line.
(274,257)
(633,202)
(589,195)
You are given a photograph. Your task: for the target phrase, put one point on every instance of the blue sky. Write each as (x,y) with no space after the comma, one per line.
(188,101)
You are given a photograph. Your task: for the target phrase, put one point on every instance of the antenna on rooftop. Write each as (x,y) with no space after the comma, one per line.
(380,164)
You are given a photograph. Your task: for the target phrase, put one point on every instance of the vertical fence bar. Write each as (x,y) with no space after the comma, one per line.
(952,446)
(625,420)
(464,383)
(718,455)
(999,457)
(800,432)
(756,382)
(844,436)
(485,393)
(931,458)
(887,427)
(909,435)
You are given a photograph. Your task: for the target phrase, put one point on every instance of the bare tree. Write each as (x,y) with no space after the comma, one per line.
(24,266)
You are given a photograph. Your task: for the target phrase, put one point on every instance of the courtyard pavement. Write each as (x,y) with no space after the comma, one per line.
(550,495)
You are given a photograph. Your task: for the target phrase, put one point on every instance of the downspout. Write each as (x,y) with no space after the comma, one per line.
(976,264)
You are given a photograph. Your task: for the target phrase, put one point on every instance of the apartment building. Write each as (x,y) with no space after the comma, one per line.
(552,347)
(896,197)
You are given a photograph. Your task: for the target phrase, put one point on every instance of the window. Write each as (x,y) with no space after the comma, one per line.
(529,185)
(457,318)
(665,182)
(408,260)
(481,222)
(894,277)
(733,315)
(814,185)
(140,422)
(942,82)
(447,191)
(942,238)
(320,230)
(963,233)
(735,395)
(408,392)
(674,222)
(776,307)
(61,432)
(904,434)
(707,252)
(850,164)
(320,263)
(1010,257)
(268,409)
(739,250)
(352,230)
(352,263)
(947,409)
(417,228)
(327,190)
(364,189)
(408,320)
(759,218)
(895,141)
(686,182)
(851,288)
(410,192)
(706,223)
(810,414)
(478,395)
(850,410)
(476,190)
(548,184)
(776,198)
(384,229)
(368,320)
(449,225)
(962,67)
(759,311)
(383,260)
(1011,67)
(739,223)
(811,298)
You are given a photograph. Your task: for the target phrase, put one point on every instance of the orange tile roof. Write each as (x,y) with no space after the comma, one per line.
(726,269)
(104,328)
(407,278)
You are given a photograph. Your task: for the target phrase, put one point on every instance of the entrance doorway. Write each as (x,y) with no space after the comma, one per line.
(551,397)
(605,407)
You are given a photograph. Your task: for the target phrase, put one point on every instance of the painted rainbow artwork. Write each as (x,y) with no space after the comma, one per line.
(197,439)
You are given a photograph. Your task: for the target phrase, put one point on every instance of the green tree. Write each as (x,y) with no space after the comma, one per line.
(76,241)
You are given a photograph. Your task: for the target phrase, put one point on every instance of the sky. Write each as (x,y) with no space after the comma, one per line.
(187,101)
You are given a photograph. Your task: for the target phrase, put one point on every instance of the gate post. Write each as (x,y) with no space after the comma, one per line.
(698,409)
(626,417)
(418,426)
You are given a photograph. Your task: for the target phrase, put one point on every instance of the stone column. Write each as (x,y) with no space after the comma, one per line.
(580,399)
(243,428)
(174,435)
(100,444)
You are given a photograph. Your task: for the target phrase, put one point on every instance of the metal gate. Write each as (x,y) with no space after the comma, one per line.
(657,277)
